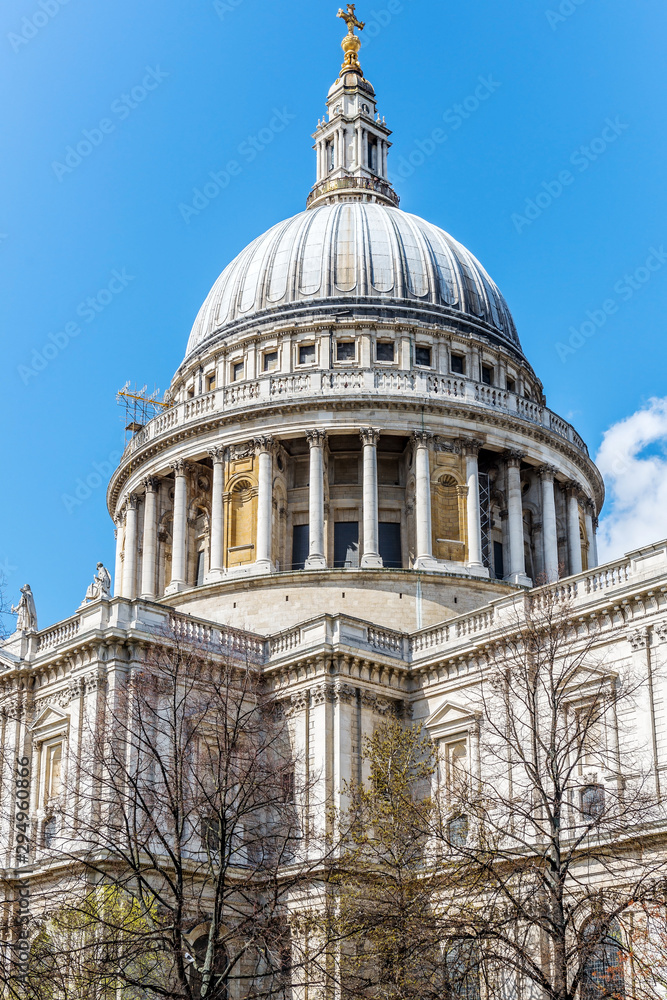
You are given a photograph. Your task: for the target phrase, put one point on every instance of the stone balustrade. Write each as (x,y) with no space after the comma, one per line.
(367,382)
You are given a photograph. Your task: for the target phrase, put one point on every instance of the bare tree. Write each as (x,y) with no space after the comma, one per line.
(552,821)
(187,834)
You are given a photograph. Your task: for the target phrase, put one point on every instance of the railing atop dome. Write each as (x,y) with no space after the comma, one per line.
(369,382)
(357,186)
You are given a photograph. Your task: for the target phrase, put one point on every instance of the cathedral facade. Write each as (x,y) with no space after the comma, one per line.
(357,479)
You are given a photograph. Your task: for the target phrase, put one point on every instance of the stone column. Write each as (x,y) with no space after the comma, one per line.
(264,450)
(371,558)
(118,569)
(423,533)
(130,561)
(471,451)
(316,558)
(517,573)
(180,530)
(549,524)
(216,564)
(590,522)
(149,557)
(573,535)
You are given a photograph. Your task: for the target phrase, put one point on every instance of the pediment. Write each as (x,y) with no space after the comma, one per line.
(450,717)
(50,718)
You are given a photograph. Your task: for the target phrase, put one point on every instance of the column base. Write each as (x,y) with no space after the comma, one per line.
(316,562)
(371,560)
(478,570)
(429,564)
(263,567)
(215,576)
(176,587)
(519,580)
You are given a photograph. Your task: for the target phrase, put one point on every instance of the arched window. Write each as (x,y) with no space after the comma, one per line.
(50,830)
(603,972)
(457,831)
(592,803)
(218,990)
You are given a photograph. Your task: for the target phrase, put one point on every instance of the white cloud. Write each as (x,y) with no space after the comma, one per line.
(633,460)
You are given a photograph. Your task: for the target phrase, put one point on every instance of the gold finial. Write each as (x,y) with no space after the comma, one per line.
(351,43)
(350,19)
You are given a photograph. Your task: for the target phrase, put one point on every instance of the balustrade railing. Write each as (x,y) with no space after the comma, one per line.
(58,635)
(379,381)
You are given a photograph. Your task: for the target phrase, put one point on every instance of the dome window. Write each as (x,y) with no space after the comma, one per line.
(307,355)
(346,350)
(210,382)
(271,361)
(423,357)
(458,365)
(238,371)
(385,350)
(511,385)
(487,375)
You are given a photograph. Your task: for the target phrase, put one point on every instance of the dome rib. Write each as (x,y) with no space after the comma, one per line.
(356,251)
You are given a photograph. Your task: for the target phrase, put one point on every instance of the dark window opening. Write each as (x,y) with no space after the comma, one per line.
(307,355)
(389,543)
(346,544)
(385,350)
(287,790)
(487,375)
(50,830)
(200,568)
(210,383)
(331,159)
(346,350)
(210,834)
(300,545)
(592,802)
(270,361)
(238,371)
(458,364)
(511,385)
(457,831)
(423,356)
(603,977)
(498,561)
(373,155)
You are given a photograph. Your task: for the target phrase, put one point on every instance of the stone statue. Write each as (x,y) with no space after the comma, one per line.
(26,620)
(101,585)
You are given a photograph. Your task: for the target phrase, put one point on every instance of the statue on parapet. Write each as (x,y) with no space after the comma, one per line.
(26,614)
(101,585)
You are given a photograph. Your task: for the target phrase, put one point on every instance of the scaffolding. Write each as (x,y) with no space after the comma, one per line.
(140,408)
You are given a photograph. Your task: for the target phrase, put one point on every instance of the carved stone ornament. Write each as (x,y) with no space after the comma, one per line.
(264,445)
(638,640)
(547,472)
(344,693)
(513,458)
(661,631)
(421,439)
(316,438)
(217,455)
(369,436)
(321,693)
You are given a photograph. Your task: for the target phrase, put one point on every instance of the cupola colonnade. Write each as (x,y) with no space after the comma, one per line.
(367,501)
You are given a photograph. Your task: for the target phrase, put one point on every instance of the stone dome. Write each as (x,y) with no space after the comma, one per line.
(362,254)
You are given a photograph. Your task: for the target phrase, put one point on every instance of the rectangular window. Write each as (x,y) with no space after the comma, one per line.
(54,763)
(191,392)
(346,350)
(200,568)
(498,561)
(389,543)
(300,545)
(423,356)
(456,766)
(346,544)
(210,834)
(458,364)
(307,355)
(331,160)
(210,383)
(385,350)
(346,471)
(287,786)
(373,155)
(487,375)
(270,361)
(238,371)
(511,385)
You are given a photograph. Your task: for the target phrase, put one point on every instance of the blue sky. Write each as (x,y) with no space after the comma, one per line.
(167,92)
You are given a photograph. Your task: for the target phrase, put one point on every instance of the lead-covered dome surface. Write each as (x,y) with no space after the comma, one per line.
(360,252)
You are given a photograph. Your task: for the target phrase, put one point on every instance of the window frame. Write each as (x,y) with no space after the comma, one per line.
(424,347)
(304,347)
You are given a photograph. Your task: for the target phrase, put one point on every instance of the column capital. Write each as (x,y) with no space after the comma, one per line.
(547,472)
(513,458)
(469,447)
(217,455)
(422,438)
(264,445)
(316,438)
(369,436)
(589,506)
(181,468)
(132,501)
(573,489)
(151,484)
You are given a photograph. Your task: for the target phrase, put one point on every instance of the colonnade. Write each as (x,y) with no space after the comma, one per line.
(130,584)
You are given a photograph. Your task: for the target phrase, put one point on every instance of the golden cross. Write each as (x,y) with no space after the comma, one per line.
(350,19)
